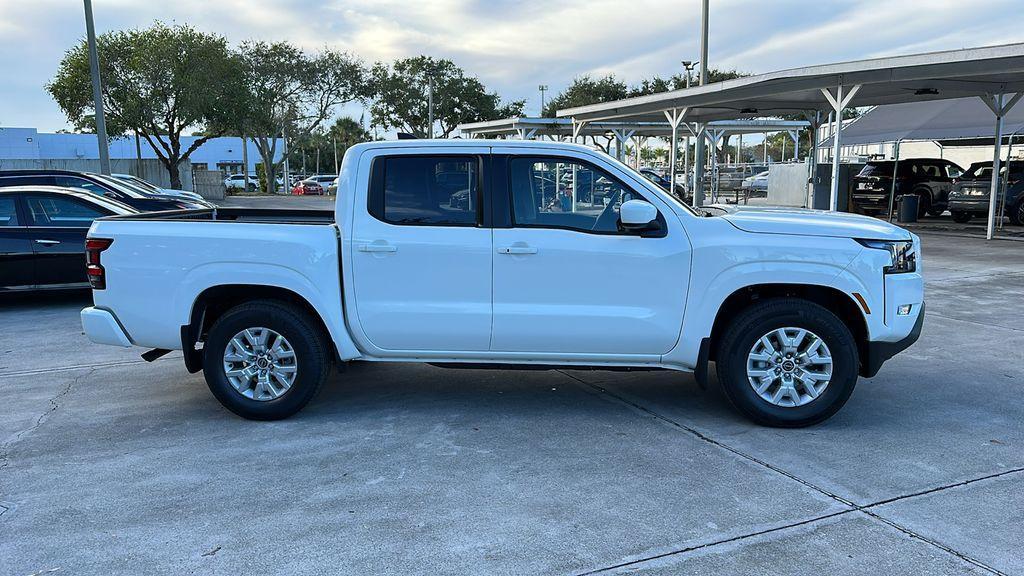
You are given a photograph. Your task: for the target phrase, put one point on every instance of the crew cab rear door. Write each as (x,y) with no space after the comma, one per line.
(421,253)
(567,280)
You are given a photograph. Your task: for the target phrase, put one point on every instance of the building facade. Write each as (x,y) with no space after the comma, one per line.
(222,154)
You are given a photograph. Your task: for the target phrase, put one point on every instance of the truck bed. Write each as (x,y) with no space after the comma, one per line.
(238,215)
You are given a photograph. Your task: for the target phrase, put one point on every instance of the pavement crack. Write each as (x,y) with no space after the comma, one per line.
(985,324)
(5,457)
(81,367)
(704,437)
(851,506)
(715,543)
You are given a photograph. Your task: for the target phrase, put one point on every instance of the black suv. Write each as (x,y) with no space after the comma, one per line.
(930,179)
(106,186)
(971,193)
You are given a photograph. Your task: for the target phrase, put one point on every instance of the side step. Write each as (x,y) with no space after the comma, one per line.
(153,354)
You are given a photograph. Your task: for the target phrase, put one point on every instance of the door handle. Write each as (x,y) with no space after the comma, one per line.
(377,248)
(45,242)
(517,250)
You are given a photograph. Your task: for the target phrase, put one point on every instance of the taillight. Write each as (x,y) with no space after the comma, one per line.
(93,268)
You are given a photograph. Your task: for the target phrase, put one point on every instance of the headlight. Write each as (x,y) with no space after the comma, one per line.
(902,253)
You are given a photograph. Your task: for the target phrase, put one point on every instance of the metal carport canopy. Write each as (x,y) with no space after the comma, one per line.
(992,73)
(529,127)
(891,80)
(936,120)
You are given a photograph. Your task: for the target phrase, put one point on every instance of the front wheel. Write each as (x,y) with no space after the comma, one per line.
(787,362)
(265,360)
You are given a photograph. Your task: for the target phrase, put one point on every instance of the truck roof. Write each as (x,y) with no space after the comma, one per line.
(474,142)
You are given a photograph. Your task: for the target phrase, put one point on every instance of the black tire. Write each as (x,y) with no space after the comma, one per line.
(1017,214)
(924,202)
(312,357)
(961,217)
(935,212)
(763,317)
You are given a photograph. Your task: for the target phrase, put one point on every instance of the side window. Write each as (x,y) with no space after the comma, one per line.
(8,211)
(31,180)
(564,193)
(82,184)
(60,212)
(426,190)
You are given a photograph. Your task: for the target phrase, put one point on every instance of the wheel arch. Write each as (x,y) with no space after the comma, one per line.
(836,301)
(214,301)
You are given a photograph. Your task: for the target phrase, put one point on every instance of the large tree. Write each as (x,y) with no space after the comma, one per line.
(291,93)
(161,82)
(401,99)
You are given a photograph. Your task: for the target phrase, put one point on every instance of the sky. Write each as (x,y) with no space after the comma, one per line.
(513,46)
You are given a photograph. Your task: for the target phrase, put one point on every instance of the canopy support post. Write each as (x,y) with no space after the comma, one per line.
(895,167)
(577,127)
(999,106)
(675,118)
(839,102)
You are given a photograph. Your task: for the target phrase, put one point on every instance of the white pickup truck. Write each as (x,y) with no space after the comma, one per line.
(466,253)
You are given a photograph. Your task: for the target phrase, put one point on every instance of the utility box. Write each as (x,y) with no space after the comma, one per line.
(822,185)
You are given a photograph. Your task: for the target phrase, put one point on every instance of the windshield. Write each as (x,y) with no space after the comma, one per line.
(983,170)
(133,190)
(876,169)
(139,182)
(115,206)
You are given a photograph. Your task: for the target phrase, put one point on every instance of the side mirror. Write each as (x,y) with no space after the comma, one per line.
(638,216)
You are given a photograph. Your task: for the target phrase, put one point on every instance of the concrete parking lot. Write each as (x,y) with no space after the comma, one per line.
(113,465)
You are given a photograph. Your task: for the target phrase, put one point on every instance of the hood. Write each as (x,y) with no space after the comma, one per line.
(804,222)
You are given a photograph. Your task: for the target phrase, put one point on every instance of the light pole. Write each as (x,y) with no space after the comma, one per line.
(97,90)
(688,65)
(698,176)
(430,105)
(543,88)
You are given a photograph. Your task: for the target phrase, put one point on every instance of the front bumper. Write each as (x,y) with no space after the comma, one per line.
(878,352)
(102,327)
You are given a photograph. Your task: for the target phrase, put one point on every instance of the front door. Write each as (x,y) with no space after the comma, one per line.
(421,256)
(58,226)
(16,258)
(567,280)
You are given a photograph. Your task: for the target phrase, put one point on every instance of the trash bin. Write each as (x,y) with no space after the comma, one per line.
(908,208)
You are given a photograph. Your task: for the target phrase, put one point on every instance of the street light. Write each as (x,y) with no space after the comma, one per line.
(543,88)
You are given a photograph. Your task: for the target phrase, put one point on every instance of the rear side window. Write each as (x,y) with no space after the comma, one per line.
(28,180)
(61,212)
(8,212)
(426,190)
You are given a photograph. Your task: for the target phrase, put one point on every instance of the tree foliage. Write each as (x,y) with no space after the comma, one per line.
(401,100)
(345,132)
(161,82)
(586,90)
(291,93)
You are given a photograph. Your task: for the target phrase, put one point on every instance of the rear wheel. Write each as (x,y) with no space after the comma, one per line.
(1017,214)
(961,217)
(787,362)
(265,360)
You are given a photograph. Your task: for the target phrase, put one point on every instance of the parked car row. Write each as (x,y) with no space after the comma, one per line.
(297,184)
(940,185)
(970,195)
(45,215)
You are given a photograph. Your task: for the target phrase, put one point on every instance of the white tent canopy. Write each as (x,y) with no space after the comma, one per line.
(936,120)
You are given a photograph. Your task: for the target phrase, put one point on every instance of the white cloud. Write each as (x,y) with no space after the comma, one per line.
(514,45)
